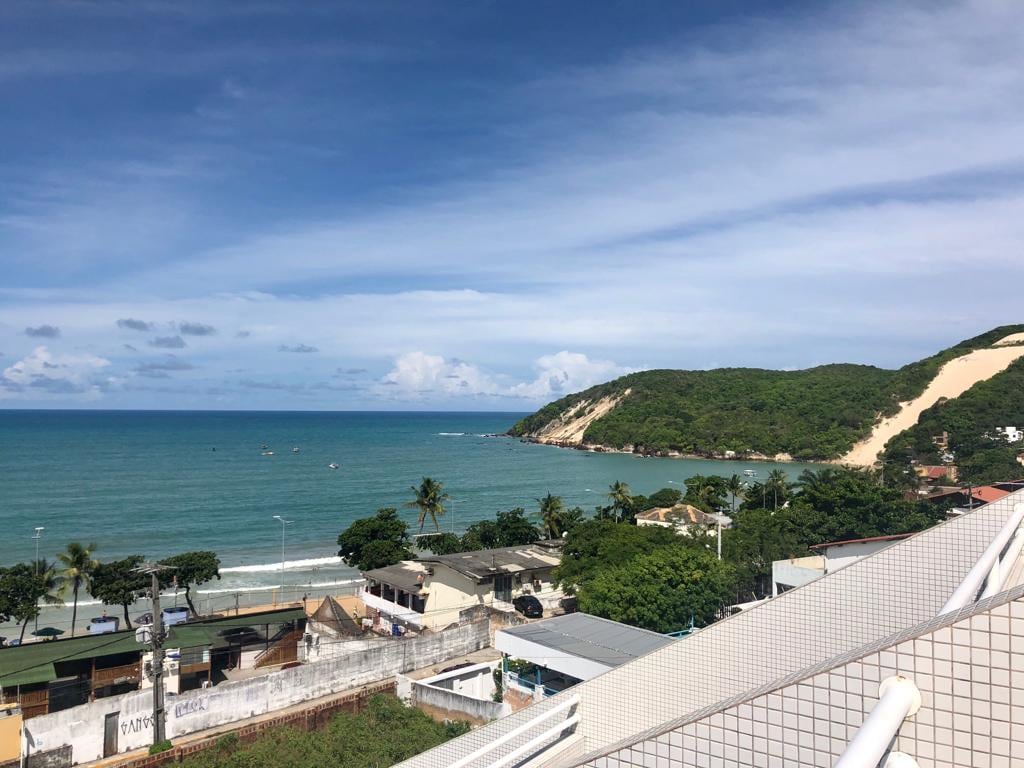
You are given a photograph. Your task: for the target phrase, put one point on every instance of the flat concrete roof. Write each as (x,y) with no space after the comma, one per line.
(590,637)
(483,563)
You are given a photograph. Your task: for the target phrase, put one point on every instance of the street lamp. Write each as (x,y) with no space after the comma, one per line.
(284,523)
(37,537)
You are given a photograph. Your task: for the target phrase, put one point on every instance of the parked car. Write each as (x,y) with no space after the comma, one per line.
(529,606)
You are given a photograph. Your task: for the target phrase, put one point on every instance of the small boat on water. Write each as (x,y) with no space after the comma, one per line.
(295,449)
(263,447)
(750,473)
(268,453)
(332,465)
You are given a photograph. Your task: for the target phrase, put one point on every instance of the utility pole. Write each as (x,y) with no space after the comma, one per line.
(156,641)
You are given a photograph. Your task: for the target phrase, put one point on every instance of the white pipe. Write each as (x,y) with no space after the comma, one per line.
(898,699)
(535,742)
(504,738)
(968,589)
(997,578)
(900,760)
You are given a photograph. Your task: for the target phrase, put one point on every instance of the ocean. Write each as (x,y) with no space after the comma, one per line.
(158,483)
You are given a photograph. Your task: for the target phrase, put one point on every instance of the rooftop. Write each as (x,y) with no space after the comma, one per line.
(484,563)
(684,513)
(406,575)
(591,637)
(33,662)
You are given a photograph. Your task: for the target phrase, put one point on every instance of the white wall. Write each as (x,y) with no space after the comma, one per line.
(82,727)
(797,571)
(842,555)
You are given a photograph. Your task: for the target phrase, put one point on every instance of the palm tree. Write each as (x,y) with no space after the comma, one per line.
(78,565)
(551,511)
(777,482)
(621,498)
(430,498)
(46,572)
(735,488)
(816,480)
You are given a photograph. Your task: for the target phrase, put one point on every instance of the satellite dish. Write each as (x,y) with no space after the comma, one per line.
(143,634)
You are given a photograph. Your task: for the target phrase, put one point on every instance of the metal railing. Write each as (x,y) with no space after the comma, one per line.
(569,705)
(992,567)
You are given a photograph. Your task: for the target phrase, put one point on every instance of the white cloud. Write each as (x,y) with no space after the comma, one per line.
(566,372)
(42,374)
(420,376)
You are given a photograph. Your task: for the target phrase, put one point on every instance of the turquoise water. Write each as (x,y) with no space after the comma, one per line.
(151,483)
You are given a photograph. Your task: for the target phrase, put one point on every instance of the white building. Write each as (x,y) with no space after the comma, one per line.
(1010,434)
(432,592)
(575,647)
(684,518)
(833,555)
(911,656)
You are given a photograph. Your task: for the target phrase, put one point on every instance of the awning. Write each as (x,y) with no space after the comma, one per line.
(41,673)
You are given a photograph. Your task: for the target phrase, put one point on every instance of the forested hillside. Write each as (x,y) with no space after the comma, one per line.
(981,455)
(818,413)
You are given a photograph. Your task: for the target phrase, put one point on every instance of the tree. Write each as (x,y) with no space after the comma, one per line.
(117,583)
(595,545)
(735,488)
(666,497)
(778,485)
(441,543)
(375,542)
(621,497)
(551,513)
(77,566)
(706,492)
(756,539)
(190,569)
(507,529)
(661,591)
(430,498)
(21,589)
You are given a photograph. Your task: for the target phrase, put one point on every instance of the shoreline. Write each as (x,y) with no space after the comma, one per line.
(779,458)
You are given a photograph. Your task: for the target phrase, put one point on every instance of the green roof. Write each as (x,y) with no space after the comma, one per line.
(33,662)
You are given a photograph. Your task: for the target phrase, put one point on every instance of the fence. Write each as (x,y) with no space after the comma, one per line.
(83,726)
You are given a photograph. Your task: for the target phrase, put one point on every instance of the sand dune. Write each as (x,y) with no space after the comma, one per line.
(570,426)
(952,380)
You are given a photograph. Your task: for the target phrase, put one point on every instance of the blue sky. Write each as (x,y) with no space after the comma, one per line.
(486,205)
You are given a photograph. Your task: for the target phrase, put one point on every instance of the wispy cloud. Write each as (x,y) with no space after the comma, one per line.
(42,374)
(196,329)
(43,332)
(131,324)
(168,342)
(301,349)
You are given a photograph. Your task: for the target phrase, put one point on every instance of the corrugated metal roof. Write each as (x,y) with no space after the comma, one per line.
(591,637)
(33,662)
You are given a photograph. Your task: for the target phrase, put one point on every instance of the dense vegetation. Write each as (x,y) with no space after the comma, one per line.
(818,413)
(652,577)
(981,455)
(386,733)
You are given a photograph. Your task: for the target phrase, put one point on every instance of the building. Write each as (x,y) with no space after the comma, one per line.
(566,650)
(930,474)
(913,655)
(795,572)
(683,518)
(55,675)
(1010,434)
(433,592)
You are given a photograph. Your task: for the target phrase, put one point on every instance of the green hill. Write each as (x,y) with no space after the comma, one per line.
(813,414)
